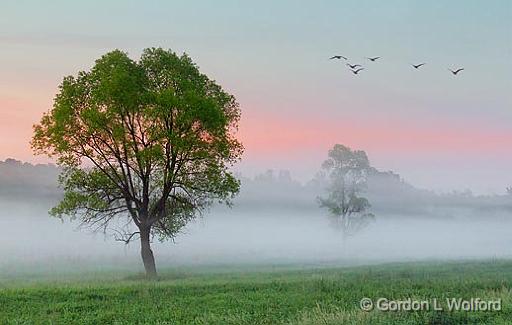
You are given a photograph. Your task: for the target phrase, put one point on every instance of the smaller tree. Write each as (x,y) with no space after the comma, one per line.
(345,172)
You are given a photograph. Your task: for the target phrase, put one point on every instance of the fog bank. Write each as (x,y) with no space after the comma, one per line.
(274,221)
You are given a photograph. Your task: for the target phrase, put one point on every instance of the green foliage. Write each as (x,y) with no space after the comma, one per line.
(345,172)
(283,296)
(151,139)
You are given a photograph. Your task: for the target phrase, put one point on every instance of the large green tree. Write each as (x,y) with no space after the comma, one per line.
(145,145)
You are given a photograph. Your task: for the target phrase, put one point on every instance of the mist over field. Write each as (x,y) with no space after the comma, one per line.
(275,220)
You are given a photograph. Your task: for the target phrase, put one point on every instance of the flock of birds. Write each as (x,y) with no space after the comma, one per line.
(356,68)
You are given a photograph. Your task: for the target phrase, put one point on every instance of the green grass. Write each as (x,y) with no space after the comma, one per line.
(283,295)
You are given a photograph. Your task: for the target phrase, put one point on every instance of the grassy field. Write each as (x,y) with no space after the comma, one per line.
(245,295)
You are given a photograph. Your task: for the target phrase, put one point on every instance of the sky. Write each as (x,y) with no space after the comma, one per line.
(438,131)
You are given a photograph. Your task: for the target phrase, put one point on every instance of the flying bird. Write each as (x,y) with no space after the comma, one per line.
(417,66)
(454,72)
(357,71)
(374,58)
(353,66)
(338,57)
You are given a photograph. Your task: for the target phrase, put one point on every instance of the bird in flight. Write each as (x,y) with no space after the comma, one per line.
(455,71)
(417,66)
(353,66)
(374,58)
(357,71)
(338,57)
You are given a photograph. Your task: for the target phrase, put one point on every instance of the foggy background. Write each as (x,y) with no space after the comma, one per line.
(275,221)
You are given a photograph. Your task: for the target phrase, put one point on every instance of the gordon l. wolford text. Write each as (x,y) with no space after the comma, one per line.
(438,304)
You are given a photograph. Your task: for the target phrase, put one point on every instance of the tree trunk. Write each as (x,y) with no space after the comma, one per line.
(344,234)
(147,254)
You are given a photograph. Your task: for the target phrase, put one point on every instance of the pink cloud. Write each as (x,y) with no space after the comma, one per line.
(275,134)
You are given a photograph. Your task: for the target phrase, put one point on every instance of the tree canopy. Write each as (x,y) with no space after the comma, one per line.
(150,141)
(345,171)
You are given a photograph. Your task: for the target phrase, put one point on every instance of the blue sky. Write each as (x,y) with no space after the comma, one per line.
(436,130)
